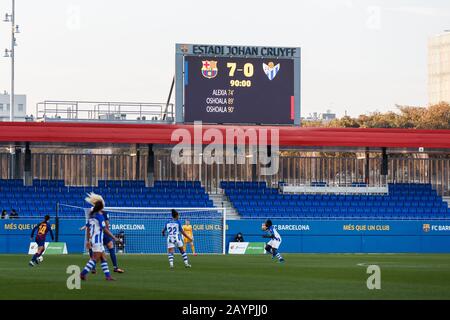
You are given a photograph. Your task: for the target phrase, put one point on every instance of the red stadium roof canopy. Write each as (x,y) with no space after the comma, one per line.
(78,132)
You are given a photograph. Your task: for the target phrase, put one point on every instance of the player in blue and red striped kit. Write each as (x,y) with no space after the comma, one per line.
(42,229)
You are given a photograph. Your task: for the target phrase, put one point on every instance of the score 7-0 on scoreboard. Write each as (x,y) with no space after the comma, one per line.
(238,84)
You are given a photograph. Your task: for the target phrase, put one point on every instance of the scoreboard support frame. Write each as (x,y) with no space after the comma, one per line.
(211,51)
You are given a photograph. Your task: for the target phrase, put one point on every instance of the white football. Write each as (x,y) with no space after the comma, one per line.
(40,259)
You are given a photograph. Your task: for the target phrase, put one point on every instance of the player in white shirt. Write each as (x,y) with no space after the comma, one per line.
(275,240)
(174,231)
(95,229)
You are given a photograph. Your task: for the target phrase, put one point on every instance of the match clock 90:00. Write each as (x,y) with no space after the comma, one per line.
(240,83)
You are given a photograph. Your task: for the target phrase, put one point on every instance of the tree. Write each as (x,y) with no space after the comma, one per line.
(432,117)
(436,117)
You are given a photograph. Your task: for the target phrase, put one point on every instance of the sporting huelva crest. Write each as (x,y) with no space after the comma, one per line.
(271,70)
(209,69)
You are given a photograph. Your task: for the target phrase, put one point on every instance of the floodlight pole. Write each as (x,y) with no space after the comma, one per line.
(10,54)
(13,43)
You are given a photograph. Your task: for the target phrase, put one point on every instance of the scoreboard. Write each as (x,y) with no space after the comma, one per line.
(235,84)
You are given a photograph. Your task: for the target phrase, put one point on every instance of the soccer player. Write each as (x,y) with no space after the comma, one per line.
(42,229)
(95,228)
(275,240)
(91,253)
(187,228)
(108,242)
(174,231)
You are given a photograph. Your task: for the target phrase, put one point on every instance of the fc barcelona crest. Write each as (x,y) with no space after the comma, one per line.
(184,48)
(209,69)
(271,70)
(426,227)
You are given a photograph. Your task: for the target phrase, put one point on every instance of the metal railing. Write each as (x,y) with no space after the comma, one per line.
(100,111)
(80,168)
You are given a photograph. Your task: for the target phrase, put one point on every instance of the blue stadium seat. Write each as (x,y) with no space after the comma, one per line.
(396,204)
(404,201)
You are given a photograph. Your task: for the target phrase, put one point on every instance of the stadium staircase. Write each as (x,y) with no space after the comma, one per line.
(447,199)
(220,200)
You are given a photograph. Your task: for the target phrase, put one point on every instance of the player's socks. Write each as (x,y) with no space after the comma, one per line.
(34,258)
(185,258)
(170,255)
(91,254)
(276,254)
(279,257)
(89,266)
(112,253)
(193,249)
(105,269)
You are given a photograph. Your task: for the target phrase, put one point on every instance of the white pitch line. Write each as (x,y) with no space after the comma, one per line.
(362,264)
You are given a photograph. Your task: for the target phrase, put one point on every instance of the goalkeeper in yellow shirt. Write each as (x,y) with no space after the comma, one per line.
(187,228)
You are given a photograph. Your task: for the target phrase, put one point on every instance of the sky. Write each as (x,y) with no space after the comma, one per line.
(357,56)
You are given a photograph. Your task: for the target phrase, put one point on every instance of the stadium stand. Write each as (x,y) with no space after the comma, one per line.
(404,201)
(42,197)
(251,199)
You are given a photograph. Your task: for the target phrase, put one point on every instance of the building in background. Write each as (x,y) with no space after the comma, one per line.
(322,117)
(328,116)
(20,107)
(439,68)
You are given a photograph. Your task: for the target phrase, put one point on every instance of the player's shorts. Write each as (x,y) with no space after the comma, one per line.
(274,243)
(40,242)
(174,243)
(106,239)
(98,247)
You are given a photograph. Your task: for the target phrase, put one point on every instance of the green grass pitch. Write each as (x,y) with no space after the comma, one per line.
(303,276)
